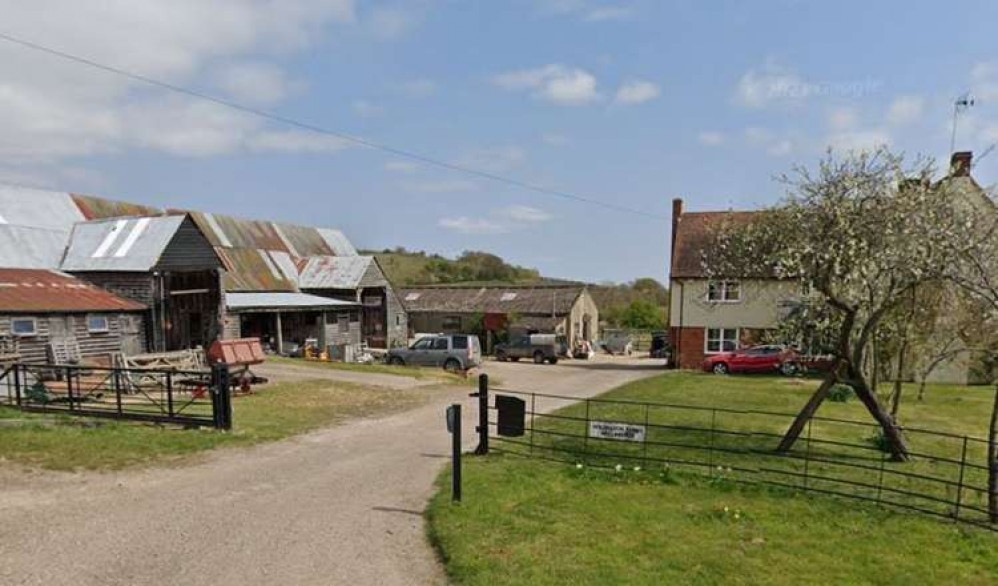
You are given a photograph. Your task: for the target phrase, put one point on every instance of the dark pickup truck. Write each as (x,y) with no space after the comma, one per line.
(539,348)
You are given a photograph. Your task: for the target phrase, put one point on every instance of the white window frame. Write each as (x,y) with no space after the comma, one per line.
(720,339)
(34,327)
(723,288)
(107,323)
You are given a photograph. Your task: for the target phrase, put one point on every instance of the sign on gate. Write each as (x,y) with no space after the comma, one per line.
(616,431)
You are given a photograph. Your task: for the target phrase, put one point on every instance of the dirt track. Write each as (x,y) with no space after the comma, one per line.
(339,506)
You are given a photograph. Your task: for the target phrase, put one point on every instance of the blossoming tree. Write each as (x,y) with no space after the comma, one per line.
(861,233)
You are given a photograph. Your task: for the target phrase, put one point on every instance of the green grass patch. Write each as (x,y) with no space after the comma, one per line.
(273,412)
(529,521)
(532,522)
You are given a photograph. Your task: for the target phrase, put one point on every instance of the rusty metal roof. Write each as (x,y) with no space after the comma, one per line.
(334,272)
(36,290)
(131,244)
(522,300)
(251,269)
(98,208)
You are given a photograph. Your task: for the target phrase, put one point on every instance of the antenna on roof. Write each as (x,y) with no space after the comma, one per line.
(983,154)
(962,104)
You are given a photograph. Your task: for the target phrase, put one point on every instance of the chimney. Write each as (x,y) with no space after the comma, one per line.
(959,165)
(677,211)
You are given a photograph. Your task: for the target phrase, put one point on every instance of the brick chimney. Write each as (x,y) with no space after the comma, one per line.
(959,165)
(677,211)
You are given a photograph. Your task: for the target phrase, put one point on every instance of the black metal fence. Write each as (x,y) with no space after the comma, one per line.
(947,476)
(190,398)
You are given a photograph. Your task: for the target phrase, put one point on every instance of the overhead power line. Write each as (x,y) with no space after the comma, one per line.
(400,152)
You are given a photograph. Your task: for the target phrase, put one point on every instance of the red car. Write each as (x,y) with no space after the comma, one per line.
(771,359)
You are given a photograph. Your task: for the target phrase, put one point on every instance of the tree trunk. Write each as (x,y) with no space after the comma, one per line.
(993,464)
(921,389)
(790,438)
(898,445)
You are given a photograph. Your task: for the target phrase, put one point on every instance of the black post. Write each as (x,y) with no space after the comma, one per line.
(116,378)
(221,396)
(483,415)
(17,384)
(169,393)
(456,453)
(69,388)
(959,490)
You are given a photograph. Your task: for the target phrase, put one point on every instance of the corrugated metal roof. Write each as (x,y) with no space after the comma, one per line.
(246,270)
(35,208)
(31,248)
(98,208)
(338,242)
(523,300)
(32,290)
(120,244)
(247,301)
(304,240)
(334,272)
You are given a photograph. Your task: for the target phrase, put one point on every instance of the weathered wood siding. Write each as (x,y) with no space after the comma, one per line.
(188,250)
(34,349)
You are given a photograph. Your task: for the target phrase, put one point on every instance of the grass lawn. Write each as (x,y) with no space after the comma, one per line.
(421,373)
(273,412)
(530,521)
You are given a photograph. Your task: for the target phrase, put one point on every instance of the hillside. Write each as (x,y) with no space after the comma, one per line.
(641,304)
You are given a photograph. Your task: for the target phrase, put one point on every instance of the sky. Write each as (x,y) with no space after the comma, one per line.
(627,102)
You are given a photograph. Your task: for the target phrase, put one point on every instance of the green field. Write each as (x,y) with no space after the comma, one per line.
(531,521)
(273,412)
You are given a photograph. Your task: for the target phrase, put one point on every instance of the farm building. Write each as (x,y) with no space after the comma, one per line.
(48,316)
(206,276)
(564,310)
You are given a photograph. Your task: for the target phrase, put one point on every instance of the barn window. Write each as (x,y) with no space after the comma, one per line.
(97,324)
(24,326)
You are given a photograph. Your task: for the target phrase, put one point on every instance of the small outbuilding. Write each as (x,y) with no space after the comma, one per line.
(50,317)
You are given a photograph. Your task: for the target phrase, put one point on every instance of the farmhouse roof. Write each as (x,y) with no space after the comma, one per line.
(38,290)
(693,233)
(500,299)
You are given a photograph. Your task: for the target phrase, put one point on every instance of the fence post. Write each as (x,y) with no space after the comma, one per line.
(533,417)
(456,453)
(585,438)
(710,443)
(483,415)
(880,478)
(807,453)
(17,384)
(116,383)
(993,464)
(169,393)
(959,489)
(221,397)
(69,388)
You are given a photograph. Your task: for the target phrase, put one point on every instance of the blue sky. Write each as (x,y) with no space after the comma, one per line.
(629,102)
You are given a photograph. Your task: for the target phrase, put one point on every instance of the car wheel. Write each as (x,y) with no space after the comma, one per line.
(396,361)
(553,361)
(789,369)
(515,358)
(720,368)
(452,365)
(538,357)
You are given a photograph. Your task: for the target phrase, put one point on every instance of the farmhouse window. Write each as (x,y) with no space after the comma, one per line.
(24,326)
(721,340)
(724,291)
(97,324)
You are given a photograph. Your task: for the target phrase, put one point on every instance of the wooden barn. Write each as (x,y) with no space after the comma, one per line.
(48,316)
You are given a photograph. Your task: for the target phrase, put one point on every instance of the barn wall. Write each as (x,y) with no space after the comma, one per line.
(34,349)
(188,250)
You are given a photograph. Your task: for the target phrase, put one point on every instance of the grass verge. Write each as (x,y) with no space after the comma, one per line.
(273,412)
(529,521)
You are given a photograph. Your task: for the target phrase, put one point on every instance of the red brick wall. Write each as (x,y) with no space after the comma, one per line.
(687,347)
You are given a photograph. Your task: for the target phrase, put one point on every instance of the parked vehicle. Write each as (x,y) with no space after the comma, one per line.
(659,345)
(767,358)
(453,352)
(540,348)
(618,342)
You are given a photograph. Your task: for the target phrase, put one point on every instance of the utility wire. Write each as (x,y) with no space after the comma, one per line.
(320,130)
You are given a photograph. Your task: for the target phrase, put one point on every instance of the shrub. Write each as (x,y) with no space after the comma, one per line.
(840,393)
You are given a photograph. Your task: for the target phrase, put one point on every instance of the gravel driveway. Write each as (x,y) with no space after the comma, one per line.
(339,506)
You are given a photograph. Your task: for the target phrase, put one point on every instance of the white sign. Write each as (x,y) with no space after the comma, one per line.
(617,431)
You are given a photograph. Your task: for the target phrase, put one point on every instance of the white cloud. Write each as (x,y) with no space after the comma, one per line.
(525,214)
(55,110)
(858,140)
(555,83)
(475,226)
(445,186)
(401,166)
(637,92)
(711,138)
(905,110)
(257,83)
(294,141)
(757,88)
